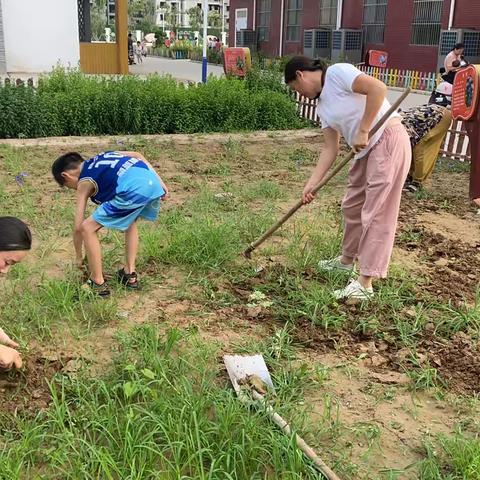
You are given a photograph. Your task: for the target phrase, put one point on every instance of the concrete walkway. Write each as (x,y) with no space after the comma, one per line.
(188,71)
(183,70)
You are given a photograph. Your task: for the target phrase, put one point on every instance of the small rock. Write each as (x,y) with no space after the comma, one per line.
(122,314)
(72,366)
(382,347)
(402,355)
(36,394)
(378,360)
(222,196)
(254,312)
(421,358)
(437,361)
(441,262)
(410,312)
(430,327)
(391,378)
(471,276)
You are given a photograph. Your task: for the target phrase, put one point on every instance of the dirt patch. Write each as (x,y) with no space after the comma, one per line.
(27,391)
(382,423)
(452,227)
(459,364)
(452,267)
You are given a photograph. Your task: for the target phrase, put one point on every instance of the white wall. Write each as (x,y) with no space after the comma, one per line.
(39,34)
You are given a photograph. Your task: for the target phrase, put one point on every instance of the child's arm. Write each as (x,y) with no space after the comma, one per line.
(84,191)
(143,159)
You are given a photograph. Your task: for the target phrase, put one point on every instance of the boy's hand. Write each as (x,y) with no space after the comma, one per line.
(167,192)
(9,358)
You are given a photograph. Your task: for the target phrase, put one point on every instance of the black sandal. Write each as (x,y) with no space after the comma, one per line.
(101,290)
(128,280)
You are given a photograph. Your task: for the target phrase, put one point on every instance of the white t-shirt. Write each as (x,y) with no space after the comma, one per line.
(342,109)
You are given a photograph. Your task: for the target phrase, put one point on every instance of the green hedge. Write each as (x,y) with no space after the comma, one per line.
(73,104)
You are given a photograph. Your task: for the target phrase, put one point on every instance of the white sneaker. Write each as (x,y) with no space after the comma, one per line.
(334,265)
(354,291)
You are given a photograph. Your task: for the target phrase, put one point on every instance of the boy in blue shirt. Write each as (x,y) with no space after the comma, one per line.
(126,187)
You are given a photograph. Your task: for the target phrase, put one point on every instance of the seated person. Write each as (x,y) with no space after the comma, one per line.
(426,126)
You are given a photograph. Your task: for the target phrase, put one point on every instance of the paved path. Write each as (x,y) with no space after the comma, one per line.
(185,70)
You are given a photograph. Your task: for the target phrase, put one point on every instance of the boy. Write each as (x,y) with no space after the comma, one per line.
(126,187)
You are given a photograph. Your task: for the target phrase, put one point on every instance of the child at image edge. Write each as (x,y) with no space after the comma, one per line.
(126,187)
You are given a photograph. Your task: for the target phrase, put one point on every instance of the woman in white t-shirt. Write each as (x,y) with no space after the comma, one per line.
(349,104)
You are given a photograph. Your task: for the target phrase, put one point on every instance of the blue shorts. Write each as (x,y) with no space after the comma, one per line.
(138,196)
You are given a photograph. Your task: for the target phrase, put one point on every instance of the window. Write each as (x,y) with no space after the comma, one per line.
(374,12)
(427,19)
(263,20)
(294,11)
(328,13)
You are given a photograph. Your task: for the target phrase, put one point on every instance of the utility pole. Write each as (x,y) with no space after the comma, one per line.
(205,24)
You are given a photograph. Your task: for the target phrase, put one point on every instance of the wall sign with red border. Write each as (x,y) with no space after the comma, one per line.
(377,58)
(237,61)
(465,92)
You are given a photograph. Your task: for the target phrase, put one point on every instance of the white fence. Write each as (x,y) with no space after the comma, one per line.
(455,146)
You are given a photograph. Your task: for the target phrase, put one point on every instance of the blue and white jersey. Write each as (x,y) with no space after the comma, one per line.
(105,170)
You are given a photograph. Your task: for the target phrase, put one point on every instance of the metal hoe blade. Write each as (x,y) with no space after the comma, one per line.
(239,367)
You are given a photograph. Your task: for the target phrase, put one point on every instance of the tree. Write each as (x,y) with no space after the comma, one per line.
(214,19)
(98,19)
(171,16)
(141,14)
(195,16)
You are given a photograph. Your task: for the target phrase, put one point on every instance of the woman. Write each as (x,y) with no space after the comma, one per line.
(349,104)
(455,60)
(15,241)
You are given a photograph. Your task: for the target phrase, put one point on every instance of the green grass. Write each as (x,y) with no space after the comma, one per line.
(164,412)
(451,458)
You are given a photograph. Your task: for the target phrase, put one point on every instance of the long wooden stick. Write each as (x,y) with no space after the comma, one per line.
(301,443)
(325,179)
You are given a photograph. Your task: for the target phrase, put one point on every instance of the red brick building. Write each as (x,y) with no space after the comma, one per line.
(417,34)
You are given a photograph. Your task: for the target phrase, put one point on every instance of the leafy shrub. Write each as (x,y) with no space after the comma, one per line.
(74,104)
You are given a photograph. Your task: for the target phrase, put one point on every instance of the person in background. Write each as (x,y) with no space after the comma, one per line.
(15,243)
(131,54)
(426,126)
(456,55)
(139,53)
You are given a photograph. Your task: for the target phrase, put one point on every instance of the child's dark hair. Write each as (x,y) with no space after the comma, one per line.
(69,161)
(302,64)
(456,63)
(15,235)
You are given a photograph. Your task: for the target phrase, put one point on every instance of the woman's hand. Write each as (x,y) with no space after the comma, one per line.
(308,196)
(361,141)
(9,358)
(6,340)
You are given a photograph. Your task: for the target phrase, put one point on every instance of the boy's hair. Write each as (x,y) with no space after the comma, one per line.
(456,63)
(69,161)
